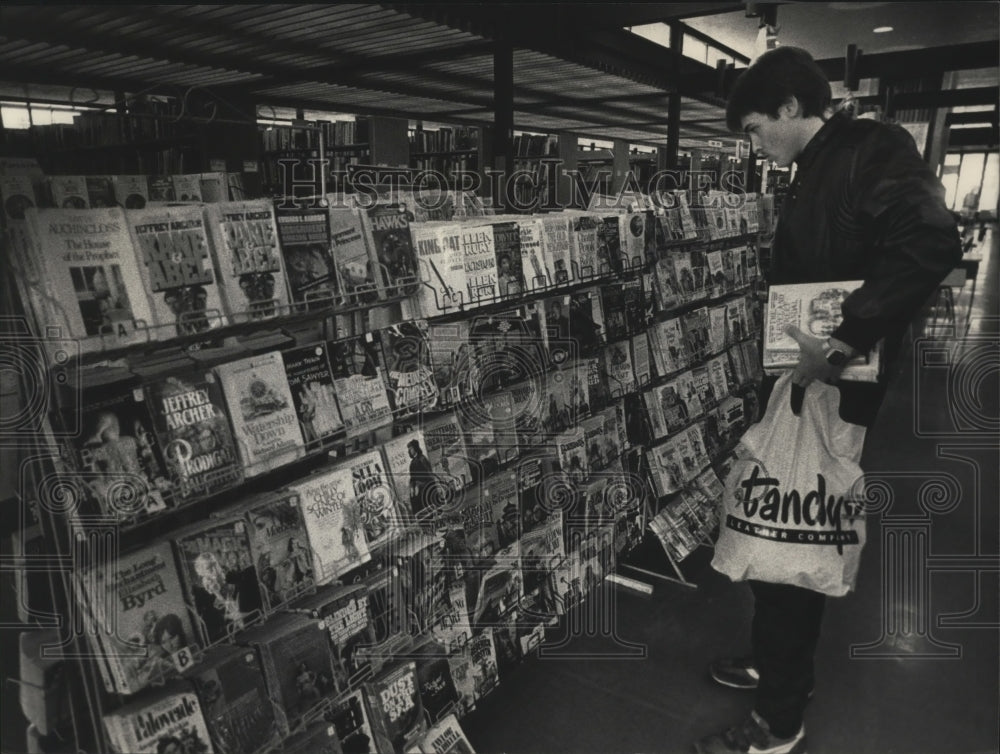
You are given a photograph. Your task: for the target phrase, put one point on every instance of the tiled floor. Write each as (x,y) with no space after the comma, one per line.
(928,613)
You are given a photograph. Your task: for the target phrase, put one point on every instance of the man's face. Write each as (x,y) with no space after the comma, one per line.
(772,138)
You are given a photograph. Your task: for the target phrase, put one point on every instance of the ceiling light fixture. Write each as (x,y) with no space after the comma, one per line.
(882,29)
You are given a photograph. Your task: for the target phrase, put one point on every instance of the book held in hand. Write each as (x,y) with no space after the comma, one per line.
(814,308)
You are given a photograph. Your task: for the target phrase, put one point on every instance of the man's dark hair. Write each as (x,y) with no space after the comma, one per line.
(774,77)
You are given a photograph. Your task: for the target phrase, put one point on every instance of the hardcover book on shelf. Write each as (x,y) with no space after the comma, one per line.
(68,191)
(304,235)
(395,709)
(441,265)
(279,544)
(176,265)
(334,522)
(814,308)
(350,719)
(265,423)
(215,561)
(354,259)
(360,384)
(152,724)
(295,654)
(89,277)
(124,472)
(234,699)
(389,230)
(556,231)
(248,258)
(142,629)
(410,379)
(345,614)
(187,187)
(311,382)
(446,451)
(189,416)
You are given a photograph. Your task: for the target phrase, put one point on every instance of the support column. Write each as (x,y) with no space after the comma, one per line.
(503,115)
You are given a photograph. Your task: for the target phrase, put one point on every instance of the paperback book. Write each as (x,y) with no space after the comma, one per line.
(215,561)
(131,191)
(168,717)
(610,256)
(438,695)
(583,246)
(265,423)
(350,718)
(311,382)
(144,633)
(410,379)
(442,267)
(176,265)
(234,699)
(500,495)
(395,709)
(193,431)
(304,235)
(90,281)
(557,244)
(360,384)
(535,265)
(295,654)
(814,308)
(124,471)
(248,259)
(446,451)
(353,258)
(279,544)
(373,497)
(507,246)
(389,231)
(68,191)
(345,614)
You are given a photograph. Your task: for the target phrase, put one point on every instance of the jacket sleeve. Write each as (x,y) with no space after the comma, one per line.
(910,236)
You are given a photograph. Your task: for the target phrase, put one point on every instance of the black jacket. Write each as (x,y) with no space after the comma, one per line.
(865,206)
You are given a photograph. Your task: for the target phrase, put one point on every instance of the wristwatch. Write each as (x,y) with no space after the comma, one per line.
(835,356)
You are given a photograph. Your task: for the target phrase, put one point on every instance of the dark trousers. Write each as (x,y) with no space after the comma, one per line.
(786,624)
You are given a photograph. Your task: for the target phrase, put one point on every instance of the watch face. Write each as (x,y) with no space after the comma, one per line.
(836,357)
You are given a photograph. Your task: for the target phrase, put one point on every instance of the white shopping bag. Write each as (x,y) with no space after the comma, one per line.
(792,512)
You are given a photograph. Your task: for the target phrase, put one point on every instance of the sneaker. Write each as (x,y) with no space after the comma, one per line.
(735,672)
(752,736)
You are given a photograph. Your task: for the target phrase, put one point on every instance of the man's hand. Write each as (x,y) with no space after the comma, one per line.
(812,358)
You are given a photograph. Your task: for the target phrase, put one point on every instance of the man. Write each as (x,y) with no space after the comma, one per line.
(862,206)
